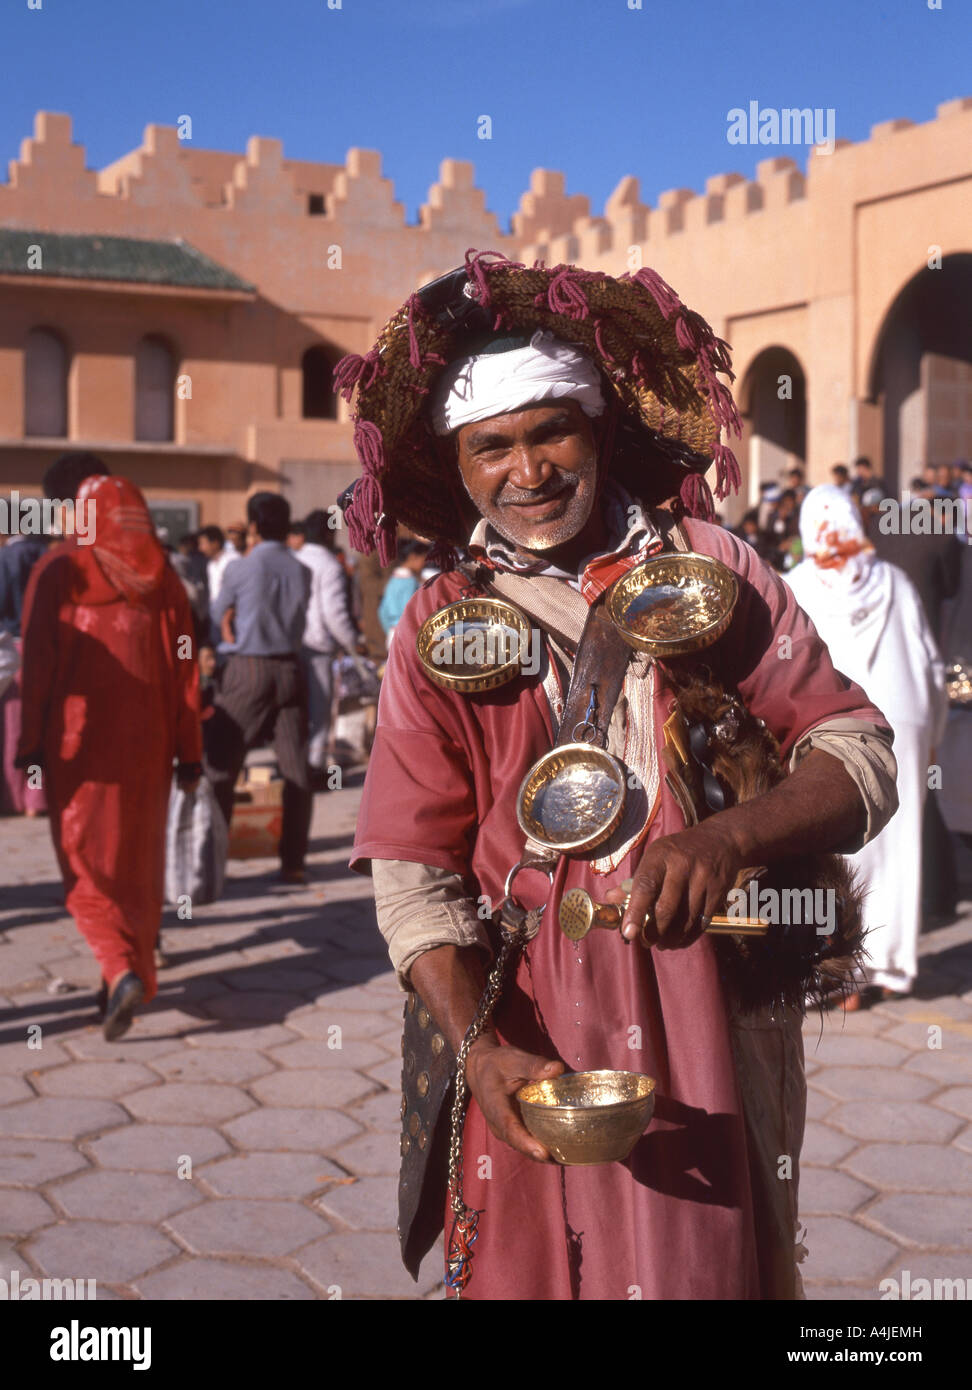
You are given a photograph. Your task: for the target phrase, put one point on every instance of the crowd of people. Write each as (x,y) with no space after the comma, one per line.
(272,604)
(773,529)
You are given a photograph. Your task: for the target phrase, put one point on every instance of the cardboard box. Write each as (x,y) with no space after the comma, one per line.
(257,819)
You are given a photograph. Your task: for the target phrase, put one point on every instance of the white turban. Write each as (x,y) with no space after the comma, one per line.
(497,383)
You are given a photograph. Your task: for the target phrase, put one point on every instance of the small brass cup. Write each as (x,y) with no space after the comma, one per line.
(588,1117)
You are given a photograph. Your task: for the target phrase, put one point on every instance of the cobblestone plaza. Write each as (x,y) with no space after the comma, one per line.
(289,1191)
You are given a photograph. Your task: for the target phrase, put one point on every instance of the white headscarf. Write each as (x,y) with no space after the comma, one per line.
(841,582)
(497,383)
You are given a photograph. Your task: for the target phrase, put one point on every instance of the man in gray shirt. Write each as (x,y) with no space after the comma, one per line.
(263,693)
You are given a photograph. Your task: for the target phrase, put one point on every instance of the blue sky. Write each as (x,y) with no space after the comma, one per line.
(591,87)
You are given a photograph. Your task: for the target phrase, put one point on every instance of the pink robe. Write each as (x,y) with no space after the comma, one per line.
(677,1219)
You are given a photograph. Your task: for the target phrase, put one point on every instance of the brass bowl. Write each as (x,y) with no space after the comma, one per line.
(588,1117)
(572,798)
(474,644)
(673,604)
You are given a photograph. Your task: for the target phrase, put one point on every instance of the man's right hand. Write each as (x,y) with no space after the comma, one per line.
(494,1073)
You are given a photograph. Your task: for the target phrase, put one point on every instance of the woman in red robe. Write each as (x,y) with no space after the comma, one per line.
(111,699)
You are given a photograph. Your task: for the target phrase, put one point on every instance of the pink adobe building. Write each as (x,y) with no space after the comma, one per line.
(179,311)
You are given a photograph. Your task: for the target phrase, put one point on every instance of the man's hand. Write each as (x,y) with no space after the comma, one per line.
(188,776)
(682,879)
(686,877)
(494,1074)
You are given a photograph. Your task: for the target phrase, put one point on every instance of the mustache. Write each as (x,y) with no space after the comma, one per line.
(513,497)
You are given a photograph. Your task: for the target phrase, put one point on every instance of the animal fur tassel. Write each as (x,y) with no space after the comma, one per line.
(792,964)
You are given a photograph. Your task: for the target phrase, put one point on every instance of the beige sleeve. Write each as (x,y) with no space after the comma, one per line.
(420,907)
(865,751)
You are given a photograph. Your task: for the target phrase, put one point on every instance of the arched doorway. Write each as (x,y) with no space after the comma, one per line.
(773,404)
(921,376)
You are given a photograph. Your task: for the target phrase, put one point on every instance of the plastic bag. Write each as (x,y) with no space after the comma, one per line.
(196,844)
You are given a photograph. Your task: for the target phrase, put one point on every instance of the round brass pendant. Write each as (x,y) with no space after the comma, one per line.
(473,645)
(572,798)
(673,604)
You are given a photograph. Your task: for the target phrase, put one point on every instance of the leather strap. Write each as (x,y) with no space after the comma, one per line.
(599,668)
(600,660)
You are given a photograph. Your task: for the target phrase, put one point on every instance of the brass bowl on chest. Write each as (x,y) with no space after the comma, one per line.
(474,644)
(572,798)
(588,1117)
(673,604)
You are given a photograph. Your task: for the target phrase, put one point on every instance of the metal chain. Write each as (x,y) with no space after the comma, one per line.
(494,985)
(465,1219)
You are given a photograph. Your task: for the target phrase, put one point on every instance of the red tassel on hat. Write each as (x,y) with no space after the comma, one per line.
(697,498)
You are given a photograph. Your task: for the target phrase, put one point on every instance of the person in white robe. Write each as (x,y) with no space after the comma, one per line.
(870,616)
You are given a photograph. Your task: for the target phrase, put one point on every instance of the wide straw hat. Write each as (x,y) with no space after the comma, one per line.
(659,360)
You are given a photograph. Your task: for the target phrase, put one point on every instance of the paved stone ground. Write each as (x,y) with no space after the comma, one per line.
(293,1141)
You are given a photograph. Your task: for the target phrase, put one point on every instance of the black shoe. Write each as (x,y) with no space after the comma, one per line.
(101,1003)
(122,1003)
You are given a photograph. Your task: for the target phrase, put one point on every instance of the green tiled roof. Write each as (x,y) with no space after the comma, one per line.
(114,258)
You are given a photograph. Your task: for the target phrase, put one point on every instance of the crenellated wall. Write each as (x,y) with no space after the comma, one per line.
(810,263)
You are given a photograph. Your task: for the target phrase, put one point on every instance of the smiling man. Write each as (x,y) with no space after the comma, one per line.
(554,425)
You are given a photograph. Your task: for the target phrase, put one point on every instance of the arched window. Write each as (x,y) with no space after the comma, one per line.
(45,384)
(155,375)
(317,367)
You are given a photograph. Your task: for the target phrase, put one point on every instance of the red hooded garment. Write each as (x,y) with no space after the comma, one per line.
(110,698)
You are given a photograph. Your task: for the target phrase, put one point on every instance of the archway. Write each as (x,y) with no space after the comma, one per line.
(773,404)
(921,374)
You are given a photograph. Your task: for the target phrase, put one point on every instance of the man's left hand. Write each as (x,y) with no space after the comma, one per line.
(682,881)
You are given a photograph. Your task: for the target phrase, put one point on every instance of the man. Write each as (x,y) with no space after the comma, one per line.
(110,700)
(547,445)
(865,479)
(932,560)
(796,484)
(219,552)
(933,563)
(189,563)
(263,694)
(329,630)
(296,536)
(842,478)
(238,536)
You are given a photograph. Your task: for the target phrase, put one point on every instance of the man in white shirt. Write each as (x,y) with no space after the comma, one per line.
(329,628)
(219,553)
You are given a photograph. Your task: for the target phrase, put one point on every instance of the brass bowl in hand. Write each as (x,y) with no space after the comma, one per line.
(673,604)
(588,1117)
